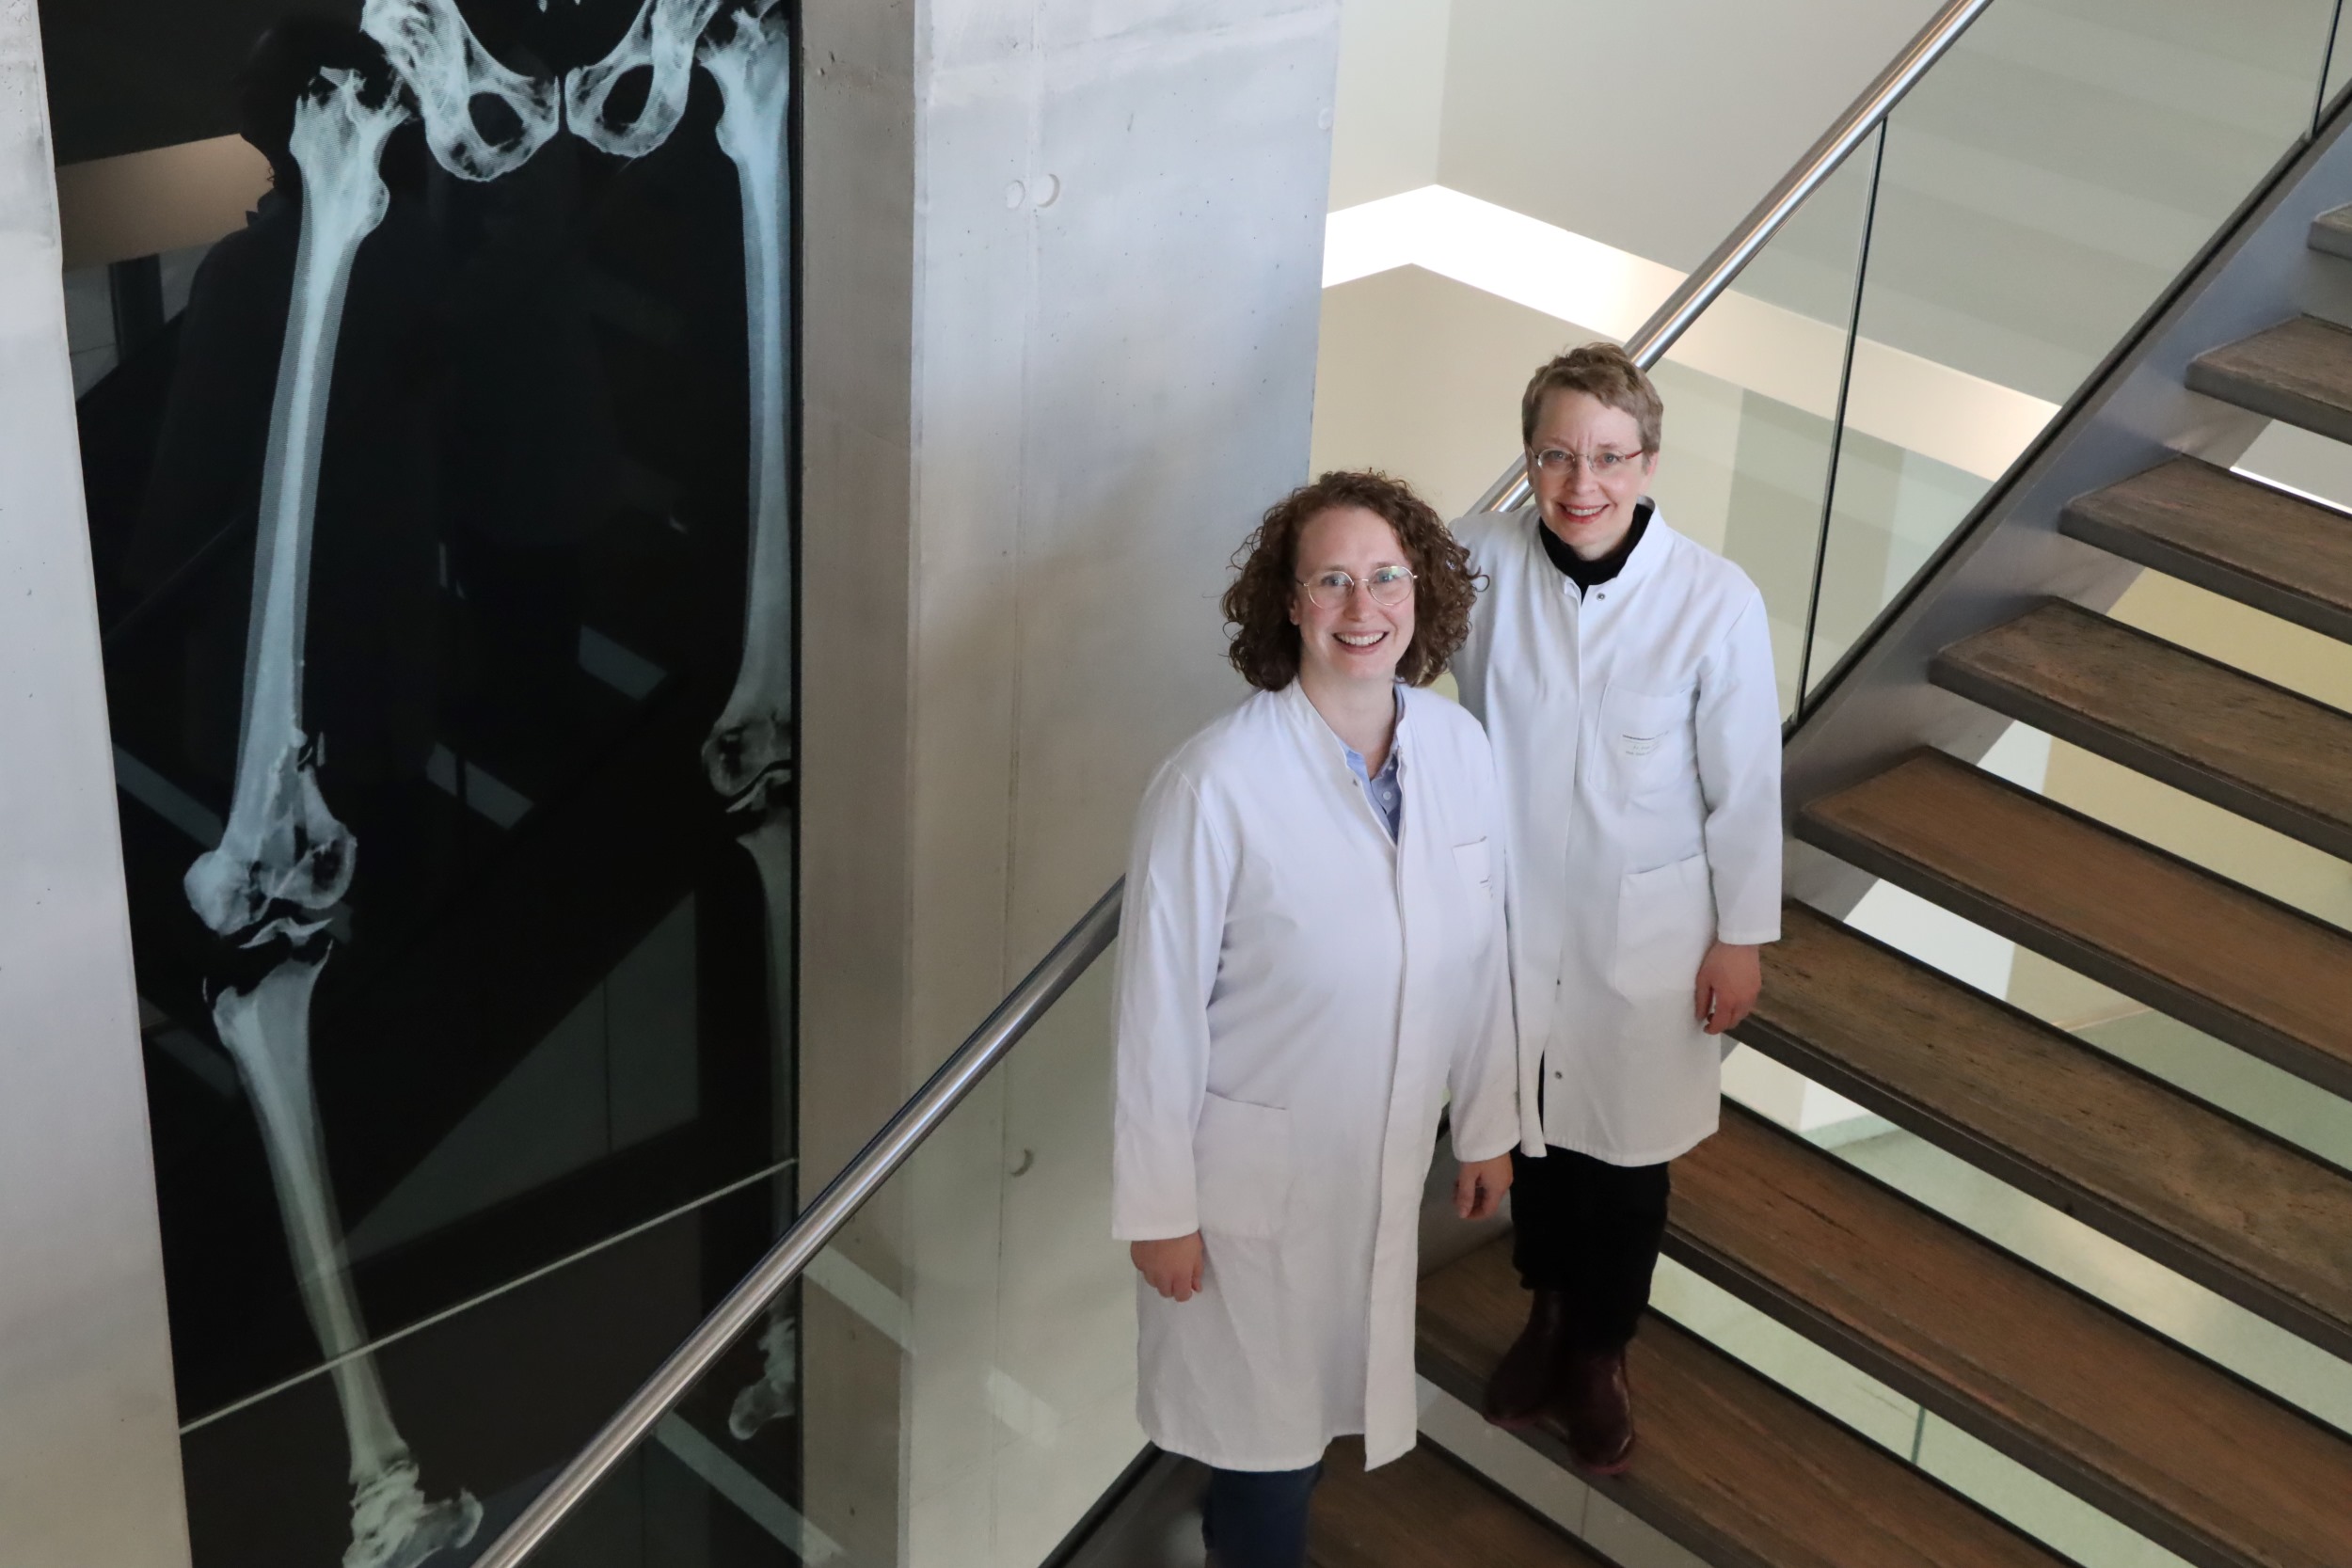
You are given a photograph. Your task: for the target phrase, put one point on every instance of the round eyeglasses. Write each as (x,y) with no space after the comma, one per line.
(1553,459)
(1388,585)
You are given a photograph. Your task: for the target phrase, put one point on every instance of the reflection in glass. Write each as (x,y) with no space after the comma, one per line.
(441,514)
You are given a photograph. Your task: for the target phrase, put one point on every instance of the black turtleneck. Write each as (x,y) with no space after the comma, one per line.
(1589,575)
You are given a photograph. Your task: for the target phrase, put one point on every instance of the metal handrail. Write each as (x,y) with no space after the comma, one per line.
(1005,1028)
(1707,282)
(815,1227)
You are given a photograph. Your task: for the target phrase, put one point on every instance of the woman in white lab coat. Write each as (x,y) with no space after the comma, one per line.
(1625,674)
(1311,958)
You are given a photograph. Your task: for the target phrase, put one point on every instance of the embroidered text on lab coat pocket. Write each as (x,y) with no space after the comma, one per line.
(1649,736)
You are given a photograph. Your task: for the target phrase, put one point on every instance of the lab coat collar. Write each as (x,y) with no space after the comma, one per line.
(1317,733)
(1320,732)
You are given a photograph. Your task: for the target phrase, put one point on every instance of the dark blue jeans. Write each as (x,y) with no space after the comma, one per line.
(1258,1518)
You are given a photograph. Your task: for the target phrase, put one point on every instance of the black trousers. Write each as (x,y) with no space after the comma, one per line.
(1258,1518)
(1592,1230)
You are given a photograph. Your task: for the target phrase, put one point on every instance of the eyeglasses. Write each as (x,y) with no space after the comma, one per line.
(1553,460)
(1388,585)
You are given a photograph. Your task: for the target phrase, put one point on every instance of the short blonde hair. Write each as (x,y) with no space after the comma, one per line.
(1607,374)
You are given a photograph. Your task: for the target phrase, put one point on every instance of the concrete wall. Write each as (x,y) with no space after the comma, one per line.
(89,1453)
(1061,290)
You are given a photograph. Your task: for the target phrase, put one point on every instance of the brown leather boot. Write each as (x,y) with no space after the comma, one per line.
(1599,1411)
(1527,1384)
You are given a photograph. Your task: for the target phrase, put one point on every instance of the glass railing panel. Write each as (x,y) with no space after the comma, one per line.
(952,1381)
(2040,186)
(1752,406)
(2339,67)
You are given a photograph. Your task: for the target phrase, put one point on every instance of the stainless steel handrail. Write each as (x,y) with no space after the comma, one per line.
(1707,282)
(817,1226)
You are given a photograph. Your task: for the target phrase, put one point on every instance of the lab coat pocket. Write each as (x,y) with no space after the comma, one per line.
(1649,738)
(1242,1161)
(1476,863)
(1665,922)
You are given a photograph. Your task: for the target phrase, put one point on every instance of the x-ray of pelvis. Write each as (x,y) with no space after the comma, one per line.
(284,862)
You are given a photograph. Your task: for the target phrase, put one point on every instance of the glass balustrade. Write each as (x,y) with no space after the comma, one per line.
(951,1381)
(2036,193)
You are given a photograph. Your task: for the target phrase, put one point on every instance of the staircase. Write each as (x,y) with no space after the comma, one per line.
(2009,626)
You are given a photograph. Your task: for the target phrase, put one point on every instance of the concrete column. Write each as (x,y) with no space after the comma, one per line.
(1061,282)
(89,1451)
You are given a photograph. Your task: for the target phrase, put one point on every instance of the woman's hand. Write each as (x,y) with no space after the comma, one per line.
(1731,980)
(1172,1267)
(1479,1186)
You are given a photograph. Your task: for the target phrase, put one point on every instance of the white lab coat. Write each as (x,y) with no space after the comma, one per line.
(1297,996)
(1636,734)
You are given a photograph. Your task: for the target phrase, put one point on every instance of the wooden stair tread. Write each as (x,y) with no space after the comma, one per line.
(2230,1207)
(2331,232)
(1424,1511)
(2299,370)
(1729,1466)
(2218,955)
(2283,555)
(2179,1451)
(2255,749)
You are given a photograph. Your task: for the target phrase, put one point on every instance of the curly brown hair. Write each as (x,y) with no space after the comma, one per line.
(1266,647)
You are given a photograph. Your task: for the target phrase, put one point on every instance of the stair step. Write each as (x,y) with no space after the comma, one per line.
(2247,746)
(2299,370)
(1424,1511)
(2218,957)
(2182,1452)
(2331,232)
(1729,1466)
(2227,1205)
(2246,541)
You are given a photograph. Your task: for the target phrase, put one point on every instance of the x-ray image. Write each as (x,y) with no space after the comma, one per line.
(441,510)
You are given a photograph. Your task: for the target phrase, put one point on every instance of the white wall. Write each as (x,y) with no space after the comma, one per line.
(1389,115)
(90,1452)
(1062,269)
(1652,127)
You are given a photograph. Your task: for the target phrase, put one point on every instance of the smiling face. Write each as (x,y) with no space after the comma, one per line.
(1356,640)
(1588,503)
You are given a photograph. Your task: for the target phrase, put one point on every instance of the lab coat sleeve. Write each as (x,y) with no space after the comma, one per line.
(1738,745)
(1484,1083)
(1172,927)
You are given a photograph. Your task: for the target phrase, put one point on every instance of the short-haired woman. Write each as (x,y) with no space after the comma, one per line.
(1626,674)
(1312,957)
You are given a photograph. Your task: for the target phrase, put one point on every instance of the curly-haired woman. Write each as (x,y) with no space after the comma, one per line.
(1312,957)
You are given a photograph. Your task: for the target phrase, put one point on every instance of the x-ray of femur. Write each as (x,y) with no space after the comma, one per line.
(443,528)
